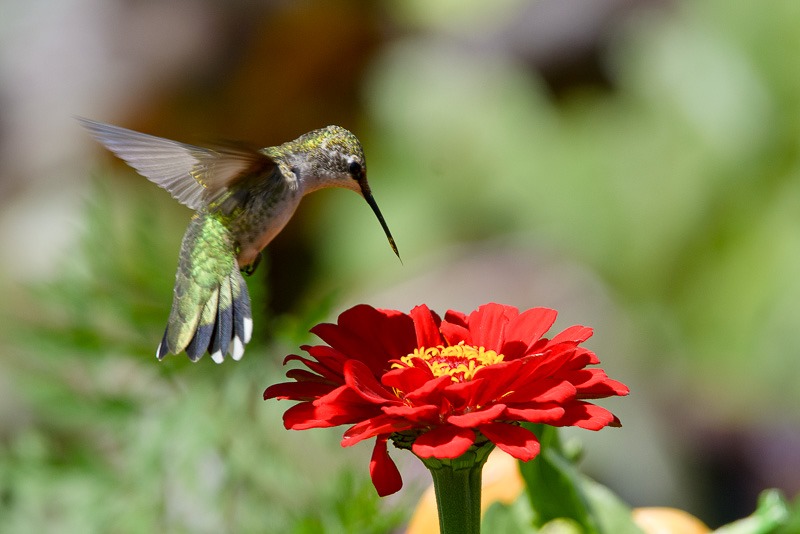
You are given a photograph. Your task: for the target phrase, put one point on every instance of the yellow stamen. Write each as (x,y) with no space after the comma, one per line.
(460,361)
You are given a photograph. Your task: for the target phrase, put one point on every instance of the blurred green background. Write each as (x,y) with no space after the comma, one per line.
(633,164)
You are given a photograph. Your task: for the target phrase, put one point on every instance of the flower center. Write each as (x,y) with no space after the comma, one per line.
(460,361)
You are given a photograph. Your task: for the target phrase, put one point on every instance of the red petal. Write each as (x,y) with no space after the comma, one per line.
(345,341)
(536,413)
(426,325)
(487,325)
(304,375)
(320,369)
(462,394)
(594,384)
(554,390)
(550,362)
(359,378)
(584,377)
(443,442)
(391,331)
(385,475)
(370,335)
(374,426)
(340,406)
(541,390)
(574,334)
(609,388)
(455,333)
(327,356)
(396,334)
(407,379)
(495,381)
(430,392)
(520,378)
(417,414)
(588,416)
(479,417)
(526,329)
(582,358)
(456,317)
(304,391)
(516,441)
(302,417)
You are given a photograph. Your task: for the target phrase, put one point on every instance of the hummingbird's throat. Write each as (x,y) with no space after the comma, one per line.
(460,362)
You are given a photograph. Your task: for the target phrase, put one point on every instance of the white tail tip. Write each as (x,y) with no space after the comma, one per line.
(238,349)
(248,329)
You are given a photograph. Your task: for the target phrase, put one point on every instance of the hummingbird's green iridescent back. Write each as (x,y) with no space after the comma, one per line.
(243,198)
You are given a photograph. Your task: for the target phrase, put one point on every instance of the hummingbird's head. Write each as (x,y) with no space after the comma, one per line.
(333,157)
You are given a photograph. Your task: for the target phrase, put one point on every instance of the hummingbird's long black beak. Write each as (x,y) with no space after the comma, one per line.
(374,205)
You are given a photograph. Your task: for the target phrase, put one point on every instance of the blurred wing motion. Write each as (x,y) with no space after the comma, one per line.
(195,176)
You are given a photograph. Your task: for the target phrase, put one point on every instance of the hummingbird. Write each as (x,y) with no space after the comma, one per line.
(242,198)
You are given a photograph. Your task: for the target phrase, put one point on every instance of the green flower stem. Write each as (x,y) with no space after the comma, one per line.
(457,484)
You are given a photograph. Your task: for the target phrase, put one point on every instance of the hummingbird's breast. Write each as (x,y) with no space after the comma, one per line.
(265,210)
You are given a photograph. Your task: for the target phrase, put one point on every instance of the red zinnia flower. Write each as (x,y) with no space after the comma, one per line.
(441,386)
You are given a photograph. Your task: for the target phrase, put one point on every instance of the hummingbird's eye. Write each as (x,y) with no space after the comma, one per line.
(355,169)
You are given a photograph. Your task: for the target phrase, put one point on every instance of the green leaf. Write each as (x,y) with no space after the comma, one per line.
(611,513)
(514,518)
(561,526)
(771,516)
(554,491)
(557,490)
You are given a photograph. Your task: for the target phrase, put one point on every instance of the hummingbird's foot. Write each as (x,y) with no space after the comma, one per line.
(250,269)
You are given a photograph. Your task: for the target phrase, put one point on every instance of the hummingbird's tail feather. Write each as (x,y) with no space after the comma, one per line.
(211,306)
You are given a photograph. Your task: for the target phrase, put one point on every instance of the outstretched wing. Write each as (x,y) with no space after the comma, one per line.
(195,176)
